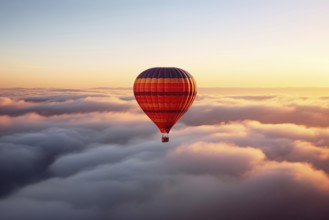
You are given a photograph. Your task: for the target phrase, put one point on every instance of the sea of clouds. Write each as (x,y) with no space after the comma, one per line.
(93,155)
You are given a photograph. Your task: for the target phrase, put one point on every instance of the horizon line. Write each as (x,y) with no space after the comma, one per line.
(231,87)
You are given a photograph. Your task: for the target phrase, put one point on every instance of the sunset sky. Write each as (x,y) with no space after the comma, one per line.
(75,144)
(241,43)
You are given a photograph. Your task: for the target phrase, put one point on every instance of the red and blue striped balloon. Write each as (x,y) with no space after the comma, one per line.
(165,94)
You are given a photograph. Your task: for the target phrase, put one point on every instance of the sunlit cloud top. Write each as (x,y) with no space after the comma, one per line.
(92,154)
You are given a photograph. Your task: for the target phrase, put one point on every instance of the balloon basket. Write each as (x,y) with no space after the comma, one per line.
(165,138)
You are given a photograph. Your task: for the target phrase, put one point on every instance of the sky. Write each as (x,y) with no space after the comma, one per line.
(87,44)
(75,144)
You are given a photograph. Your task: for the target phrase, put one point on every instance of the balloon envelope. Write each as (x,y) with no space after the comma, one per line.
(165,94)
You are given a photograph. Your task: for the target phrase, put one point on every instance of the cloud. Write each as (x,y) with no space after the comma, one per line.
(55,102)
(85,106)
(144,187)
(25,157)
(215,159)
(279,142)
(60,98)
(52,210)
(243,157)
(274,110)
(33,142)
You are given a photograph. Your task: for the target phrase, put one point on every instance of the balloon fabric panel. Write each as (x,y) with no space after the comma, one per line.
(165,94)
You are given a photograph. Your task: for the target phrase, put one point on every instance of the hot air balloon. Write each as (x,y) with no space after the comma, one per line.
(165,94)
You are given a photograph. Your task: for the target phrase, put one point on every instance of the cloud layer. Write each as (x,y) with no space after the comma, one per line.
(93,154)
